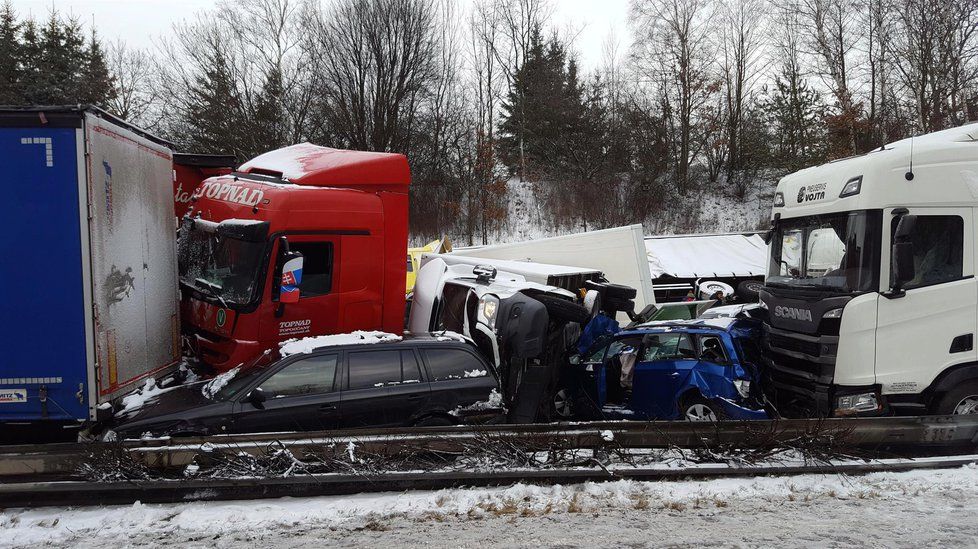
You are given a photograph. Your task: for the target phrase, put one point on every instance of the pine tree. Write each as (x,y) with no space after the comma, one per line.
(211,123)
(97,86)
(10,71)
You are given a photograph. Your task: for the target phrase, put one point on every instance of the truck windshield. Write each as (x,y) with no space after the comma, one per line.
(837,252)
(220,266)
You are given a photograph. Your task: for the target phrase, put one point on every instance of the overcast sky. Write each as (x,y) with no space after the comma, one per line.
(139,21)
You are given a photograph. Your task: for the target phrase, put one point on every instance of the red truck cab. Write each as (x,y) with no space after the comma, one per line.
(190,170)
(345,213)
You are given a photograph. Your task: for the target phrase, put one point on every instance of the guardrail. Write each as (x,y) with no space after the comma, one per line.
(905,436)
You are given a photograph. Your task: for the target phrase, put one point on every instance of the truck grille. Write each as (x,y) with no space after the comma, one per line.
(812,348)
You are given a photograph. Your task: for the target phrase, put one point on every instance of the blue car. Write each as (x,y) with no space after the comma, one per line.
(700,370)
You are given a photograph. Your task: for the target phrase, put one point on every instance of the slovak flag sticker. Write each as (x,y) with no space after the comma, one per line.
(291,278)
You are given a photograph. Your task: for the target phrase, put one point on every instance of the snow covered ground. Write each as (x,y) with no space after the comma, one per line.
(702,211)
(914,509)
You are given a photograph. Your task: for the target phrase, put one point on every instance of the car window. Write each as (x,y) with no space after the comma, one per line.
(666,347)
(452,314)
(938,251)
(317,267)
(374,368)
(446,364)
(617,346)
(311,375)
(711,349)
(410,369)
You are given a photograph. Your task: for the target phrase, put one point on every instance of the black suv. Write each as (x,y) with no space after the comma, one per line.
(419,381)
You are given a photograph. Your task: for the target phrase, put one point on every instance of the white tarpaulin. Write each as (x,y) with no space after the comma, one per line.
(711,255)
(616,252)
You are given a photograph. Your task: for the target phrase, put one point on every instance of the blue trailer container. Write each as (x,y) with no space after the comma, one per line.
(90,263)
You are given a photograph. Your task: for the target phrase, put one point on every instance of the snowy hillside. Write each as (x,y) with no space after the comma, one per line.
(700,212)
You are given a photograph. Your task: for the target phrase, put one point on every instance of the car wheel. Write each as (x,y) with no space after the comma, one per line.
(749,290)
(562,309)
(563,404)
(699,409)
(962,400)
(434,421)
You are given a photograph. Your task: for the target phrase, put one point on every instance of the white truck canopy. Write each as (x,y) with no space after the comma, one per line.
(707,255)
(619,253)
(534,272)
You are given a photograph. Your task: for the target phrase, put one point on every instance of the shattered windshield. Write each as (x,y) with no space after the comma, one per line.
(220,266)
(837,252)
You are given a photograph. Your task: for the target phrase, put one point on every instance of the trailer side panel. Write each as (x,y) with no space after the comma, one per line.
(133,256)
(44,311)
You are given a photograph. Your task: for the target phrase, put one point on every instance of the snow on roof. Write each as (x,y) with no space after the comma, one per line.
(524,268)
(308,164)
(310,344)
(698,256)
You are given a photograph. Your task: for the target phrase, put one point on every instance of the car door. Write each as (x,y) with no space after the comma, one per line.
(932,326)
(406,399)
(459,378)
(301,395)
(317,311)
(370,374)
(663,364)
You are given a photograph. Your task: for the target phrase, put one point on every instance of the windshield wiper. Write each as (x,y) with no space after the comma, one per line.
(211,288)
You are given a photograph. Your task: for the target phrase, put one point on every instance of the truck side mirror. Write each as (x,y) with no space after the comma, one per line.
(288,288)
(902,252)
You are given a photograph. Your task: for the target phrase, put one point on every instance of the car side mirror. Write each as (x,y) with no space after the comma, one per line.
(902,252)
(257,398)
(288,288)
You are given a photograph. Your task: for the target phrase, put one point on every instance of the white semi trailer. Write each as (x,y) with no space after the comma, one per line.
(871,296)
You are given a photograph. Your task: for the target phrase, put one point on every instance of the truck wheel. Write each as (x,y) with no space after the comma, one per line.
(749,290)
(697,408)
(960,400)
(563,309)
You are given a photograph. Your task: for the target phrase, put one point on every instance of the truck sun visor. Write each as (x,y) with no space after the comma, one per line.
(241,229)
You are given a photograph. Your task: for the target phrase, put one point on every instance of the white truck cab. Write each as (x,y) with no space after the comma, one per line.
(871,298)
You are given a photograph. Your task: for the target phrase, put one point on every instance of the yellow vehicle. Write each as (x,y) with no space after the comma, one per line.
(440,246)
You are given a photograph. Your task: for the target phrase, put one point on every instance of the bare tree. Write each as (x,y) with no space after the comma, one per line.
(375,58)
(136,88)
(233,91)
(831,27)
(935,45)
(675,50)
(743,65)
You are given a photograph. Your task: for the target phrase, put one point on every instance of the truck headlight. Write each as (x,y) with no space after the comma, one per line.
(489,305)
(850,404)
(743,387)
(834,313)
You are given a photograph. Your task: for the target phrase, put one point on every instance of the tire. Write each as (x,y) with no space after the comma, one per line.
(563,404)
(609,290)
(561,309)
(749,290)
(697,408)
(434,421)
(618,304)
(962,399)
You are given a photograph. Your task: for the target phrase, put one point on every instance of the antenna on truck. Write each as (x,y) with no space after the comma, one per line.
(909,175)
